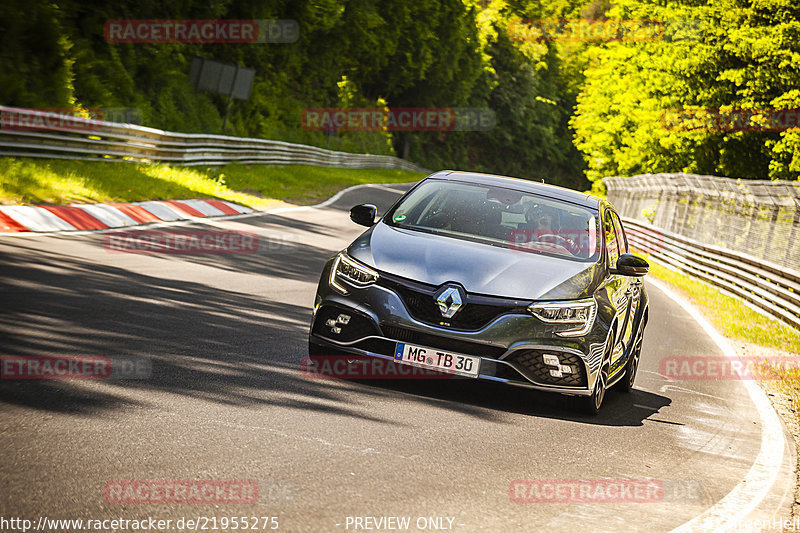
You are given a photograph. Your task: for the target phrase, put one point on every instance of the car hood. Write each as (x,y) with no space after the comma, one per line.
(479,268)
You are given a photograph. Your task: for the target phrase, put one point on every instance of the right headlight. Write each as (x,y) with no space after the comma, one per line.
(346,270)
(576,313)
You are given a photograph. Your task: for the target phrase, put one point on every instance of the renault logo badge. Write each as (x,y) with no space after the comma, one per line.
(449,301)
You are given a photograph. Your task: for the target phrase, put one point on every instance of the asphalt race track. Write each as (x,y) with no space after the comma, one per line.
(225,399)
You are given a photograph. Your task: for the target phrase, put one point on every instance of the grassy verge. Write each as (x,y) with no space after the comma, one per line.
(43,181)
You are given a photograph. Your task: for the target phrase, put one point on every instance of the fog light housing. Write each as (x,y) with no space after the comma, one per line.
(550,360)
(336,323)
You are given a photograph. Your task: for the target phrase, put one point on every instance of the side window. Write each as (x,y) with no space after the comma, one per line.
(622,239)
(611,238)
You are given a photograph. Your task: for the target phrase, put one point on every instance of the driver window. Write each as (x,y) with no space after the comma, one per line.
(611,239)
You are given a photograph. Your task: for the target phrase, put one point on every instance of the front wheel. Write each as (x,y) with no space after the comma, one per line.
(633,363)
(591,404)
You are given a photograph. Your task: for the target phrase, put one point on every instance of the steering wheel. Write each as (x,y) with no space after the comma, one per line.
(570,246)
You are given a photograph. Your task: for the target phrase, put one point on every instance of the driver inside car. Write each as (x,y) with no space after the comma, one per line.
(543,224)
(541,218)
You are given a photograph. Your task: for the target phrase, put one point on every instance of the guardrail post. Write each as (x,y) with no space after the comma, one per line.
(791,245)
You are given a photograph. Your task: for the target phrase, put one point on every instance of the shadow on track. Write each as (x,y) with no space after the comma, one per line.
(205,342)
(210,342)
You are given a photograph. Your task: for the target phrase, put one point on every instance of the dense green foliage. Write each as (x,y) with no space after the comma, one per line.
(726,55)
(566,110)
(365,53)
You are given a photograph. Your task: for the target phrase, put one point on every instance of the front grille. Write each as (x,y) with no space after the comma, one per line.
(358,327)
(477,311)
(442,343)
(532,363)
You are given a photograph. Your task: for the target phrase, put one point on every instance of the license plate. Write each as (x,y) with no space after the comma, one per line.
(450,363)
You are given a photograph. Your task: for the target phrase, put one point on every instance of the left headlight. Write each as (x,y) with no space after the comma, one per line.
(577,313)
(347,271)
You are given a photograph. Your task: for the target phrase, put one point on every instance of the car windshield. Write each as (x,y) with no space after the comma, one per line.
(501,217)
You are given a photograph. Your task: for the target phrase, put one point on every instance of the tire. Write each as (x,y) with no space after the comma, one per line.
(311,363)
(591,404)
(626,384)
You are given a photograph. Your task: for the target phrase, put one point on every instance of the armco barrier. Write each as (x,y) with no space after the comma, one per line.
(771,287)
(740,235)
(760,218)
(31,133)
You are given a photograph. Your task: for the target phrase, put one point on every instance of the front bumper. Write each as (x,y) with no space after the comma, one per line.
(511,343)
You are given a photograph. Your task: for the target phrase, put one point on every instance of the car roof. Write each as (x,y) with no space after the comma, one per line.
(523,185)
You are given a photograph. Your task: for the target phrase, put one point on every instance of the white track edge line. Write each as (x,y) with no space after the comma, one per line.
(730,510)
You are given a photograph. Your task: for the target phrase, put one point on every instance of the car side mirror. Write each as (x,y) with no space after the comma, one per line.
(631,265)
(364,214)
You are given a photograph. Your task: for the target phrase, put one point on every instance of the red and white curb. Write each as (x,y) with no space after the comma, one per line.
(23,218)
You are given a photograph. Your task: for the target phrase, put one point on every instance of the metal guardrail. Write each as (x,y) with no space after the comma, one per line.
(773,288)
(30,133)
(755,217)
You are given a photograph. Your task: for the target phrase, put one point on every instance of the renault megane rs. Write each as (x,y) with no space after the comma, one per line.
(492,278)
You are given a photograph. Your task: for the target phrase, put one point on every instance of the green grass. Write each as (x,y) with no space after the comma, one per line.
(730,315)
(43,181)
